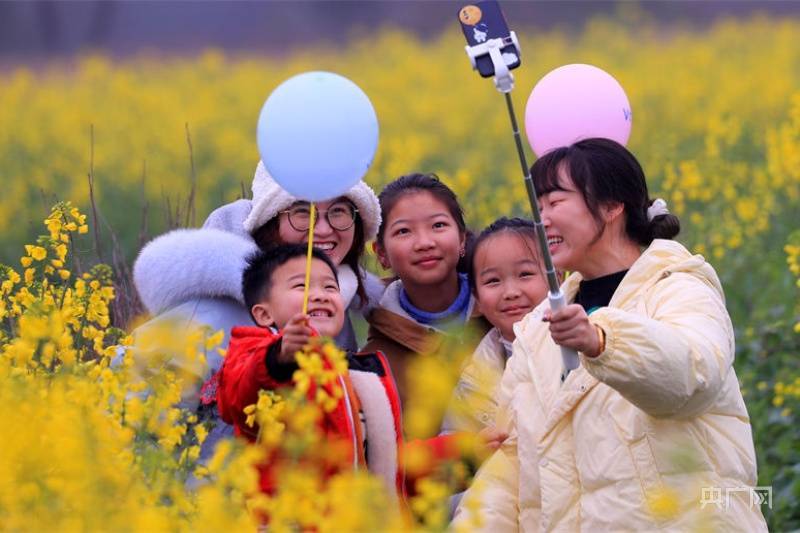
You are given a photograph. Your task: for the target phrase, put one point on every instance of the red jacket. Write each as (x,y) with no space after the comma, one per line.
(369,388)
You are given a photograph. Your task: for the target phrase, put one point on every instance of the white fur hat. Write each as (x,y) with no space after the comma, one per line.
(269,199)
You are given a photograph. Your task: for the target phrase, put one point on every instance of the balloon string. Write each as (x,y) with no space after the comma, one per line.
(308,257)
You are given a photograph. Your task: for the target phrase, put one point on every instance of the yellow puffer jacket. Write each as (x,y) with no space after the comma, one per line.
(652,434)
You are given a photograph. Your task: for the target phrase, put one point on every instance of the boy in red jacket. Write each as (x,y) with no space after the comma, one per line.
(263,357)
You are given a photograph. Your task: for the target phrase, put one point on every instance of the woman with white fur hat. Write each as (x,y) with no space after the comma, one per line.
(194,276)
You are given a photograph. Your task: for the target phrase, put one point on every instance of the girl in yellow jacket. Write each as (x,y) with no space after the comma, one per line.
(650,431)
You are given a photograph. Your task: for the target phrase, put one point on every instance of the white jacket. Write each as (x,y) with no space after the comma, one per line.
(637,438)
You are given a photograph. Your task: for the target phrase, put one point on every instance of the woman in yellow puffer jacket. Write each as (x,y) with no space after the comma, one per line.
(650,431)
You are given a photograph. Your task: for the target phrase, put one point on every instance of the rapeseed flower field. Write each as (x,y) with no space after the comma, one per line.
(716,126)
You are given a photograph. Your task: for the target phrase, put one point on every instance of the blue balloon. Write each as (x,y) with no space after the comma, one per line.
(317,135)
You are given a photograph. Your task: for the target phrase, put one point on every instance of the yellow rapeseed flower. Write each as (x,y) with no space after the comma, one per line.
(215,339)
(54,226)
(36,252)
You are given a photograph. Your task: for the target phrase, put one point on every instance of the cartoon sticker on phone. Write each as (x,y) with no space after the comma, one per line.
(470,15)
(479,33)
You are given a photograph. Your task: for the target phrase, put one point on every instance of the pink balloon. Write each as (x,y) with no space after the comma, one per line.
(576,102)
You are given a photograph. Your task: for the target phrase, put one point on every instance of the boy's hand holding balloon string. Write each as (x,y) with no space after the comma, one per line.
(295,336)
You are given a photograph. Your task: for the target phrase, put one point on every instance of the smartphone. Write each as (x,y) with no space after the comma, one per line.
(482,21)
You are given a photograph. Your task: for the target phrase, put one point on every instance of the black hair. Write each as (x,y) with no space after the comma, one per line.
(257,277)
(418,182)
(604,172)
(520,226)
(268,235)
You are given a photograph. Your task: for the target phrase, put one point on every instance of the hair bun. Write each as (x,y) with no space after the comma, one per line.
(665,226)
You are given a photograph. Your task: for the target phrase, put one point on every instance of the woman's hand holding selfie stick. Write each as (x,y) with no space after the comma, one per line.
(570,327)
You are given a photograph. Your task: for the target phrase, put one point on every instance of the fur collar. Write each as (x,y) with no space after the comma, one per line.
(348,284)
(392,321)
(188,264)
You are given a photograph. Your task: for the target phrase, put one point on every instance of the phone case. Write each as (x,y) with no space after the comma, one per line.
(482,21)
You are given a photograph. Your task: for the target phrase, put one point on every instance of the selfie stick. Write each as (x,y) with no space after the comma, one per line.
(504,81)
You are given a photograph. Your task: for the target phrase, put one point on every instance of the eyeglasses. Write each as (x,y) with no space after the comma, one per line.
(340,216)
